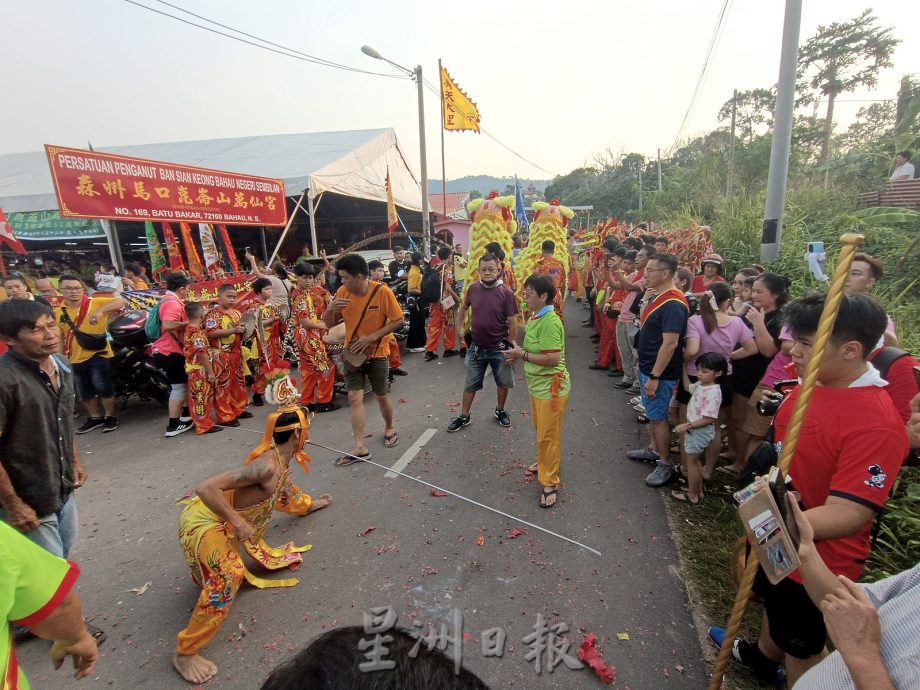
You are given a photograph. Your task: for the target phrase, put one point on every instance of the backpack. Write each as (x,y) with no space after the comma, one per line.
(431,286)
(153,328)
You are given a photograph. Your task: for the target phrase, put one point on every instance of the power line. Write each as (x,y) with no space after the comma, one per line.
(288,52)
(299,55)
(713,44)
(434,89)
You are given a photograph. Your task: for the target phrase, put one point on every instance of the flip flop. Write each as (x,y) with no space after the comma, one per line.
(684,496)
(347,460)
(97,634)
(545,495)
(725,469)
(391,440)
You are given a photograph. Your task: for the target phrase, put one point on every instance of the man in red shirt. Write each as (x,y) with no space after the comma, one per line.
(850,449)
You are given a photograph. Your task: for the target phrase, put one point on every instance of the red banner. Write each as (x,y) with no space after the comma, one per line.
(90,184)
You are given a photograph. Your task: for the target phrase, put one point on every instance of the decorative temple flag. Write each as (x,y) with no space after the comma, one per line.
(392,218)
(228,249)
(157,259)
(172,249)
(458,111)
(208,248)
(191,252)
(520,215)
(8,238)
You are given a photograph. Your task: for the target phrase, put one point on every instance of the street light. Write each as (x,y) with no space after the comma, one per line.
(416,74)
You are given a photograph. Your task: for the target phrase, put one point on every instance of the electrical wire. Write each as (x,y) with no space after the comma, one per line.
(288,52)
(710,52)
(306,57)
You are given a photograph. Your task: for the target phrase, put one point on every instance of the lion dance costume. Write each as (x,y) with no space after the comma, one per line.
(213,553)
(550,222)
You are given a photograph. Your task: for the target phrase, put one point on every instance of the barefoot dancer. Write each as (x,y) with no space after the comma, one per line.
(229,516)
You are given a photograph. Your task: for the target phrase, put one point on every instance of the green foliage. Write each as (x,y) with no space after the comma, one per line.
(898,542)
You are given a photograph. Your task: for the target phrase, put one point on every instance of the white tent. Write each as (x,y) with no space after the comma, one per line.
(351,163)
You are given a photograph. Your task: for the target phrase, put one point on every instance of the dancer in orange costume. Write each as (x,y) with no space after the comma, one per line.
(317,374)
(549,265)
(199,370)
(224,328)
(441,321)
(268,336)
(215,529)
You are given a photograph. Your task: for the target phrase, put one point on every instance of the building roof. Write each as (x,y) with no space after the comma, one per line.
(456,203)
(352,163)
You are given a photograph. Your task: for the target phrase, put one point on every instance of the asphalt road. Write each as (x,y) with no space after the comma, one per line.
(422,556)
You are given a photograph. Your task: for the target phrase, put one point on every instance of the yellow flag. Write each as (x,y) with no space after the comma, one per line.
(392,218)
(459,112)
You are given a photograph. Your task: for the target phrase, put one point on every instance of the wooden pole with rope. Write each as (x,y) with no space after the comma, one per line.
(849,244)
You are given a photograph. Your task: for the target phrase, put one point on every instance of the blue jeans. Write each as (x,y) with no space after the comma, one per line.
(93,378)
(656,409)
(478,360)
(56,532)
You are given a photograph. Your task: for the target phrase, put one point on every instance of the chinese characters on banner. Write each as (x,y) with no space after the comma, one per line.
(90,184)
(460,113)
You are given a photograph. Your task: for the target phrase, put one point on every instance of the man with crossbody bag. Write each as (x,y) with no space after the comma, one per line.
(370,312)
(83,321)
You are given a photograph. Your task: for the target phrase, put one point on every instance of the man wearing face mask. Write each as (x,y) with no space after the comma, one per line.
(494,320)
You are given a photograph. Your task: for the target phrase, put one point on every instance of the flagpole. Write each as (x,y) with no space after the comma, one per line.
(288,227)
(443,167)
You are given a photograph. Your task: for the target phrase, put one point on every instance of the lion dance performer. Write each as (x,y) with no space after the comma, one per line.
(493,221)
(224,327)
(547,249)
(317,373)
(229,516)
(268,336)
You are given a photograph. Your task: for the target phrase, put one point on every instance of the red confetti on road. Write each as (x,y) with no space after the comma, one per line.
(436,492)
(516,533)
(364,533)
(589,654)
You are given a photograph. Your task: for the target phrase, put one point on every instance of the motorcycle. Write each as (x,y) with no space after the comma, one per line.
(133,370)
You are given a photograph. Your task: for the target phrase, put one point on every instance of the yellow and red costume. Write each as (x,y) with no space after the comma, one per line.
(317,374)
(230,397)
(267,346)
(555,269)
(441,322)
(321,299)
(213,553)
(200,390)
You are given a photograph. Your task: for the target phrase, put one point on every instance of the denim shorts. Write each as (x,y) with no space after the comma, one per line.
(478,360)
(698,439)
(94,378)
(656,409)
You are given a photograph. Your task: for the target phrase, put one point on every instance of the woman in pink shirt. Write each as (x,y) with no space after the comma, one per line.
(715,330)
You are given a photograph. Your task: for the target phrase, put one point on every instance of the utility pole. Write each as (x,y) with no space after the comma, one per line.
(659,170)
(772,231)
(731,154)
(639,178)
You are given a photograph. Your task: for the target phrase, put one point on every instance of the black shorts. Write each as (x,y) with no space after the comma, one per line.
(173,365)
(796,624)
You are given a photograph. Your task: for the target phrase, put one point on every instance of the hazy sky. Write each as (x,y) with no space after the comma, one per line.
(555,81)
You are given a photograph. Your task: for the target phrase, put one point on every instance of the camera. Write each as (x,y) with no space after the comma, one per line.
(768,408)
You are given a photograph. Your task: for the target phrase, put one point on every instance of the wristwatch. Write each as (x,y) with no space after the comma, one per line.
(654,377)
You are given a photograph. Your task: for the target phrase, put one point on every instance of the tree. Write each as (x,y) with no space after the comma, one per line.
(475,194)
(752,109)
(843,57)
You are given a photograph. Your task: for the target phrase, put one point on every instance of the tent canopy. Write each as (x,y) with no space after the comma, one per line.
(353,163)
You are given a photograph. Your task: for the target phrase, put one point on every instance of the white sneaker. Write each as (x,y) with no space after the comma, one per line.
(181,428)
(639,408)
(636,401)
(416,349)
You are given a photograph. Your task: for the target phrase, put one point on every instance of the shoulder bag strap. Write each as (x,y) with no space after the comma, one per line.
(364,311)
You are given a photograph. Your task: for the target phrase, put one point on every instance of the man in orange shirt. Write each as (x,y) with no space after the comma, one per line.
(549,265)
(370,312)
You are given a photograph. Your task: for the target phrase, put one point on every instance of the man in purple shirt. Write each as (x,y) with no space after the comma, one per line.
(494,320)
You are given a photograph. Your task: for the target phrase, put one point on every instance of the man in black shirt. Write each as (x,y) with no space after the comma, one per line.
(399,268)
(39,468)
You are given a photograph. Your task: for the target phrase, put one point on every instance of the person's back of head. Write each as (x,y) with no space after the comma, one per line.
(444,253)
(861,318)
(496,249)
(548,247)
(333,662)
